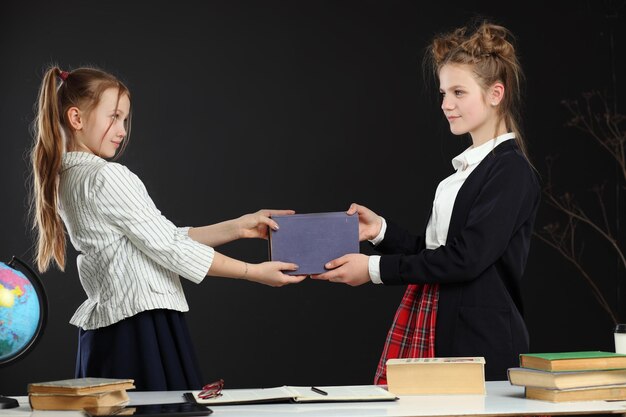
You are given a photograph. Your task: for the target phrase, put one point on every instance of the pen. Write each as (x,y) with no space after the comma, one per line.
(319,391)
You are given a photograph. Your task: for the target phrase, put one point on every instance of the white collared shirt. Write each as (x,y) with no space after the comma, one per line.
(131,256)
(447,190)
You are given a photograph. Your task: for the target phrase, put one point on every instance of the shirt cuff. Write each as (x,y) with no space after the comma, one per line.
(199,257)
(381,234)
(373,267)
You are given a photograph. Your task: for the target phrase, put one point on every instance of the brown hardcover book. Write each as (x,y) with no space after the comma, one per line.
(612,392)
(77,402)
(80,386)
(573,361)
(430,376)
(565,380)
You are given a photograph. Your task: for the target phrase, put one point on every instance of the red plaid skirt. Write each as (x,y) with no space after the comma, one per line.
(412,333)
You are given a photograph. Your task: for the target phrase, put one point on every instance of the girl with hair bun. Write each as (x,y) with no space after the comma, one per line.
(132,324)
(463,273)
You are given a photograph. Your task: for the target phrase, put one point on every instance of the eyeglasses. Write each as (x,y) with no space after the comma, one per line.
(212,390)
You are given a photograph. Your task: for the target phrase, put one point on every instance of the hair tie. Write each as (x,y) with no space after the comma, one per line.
(64,75)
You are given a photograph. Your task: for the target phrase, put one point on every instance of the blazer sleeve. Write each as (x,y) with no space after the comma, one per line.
(399,240)
(123,202)
(506,200)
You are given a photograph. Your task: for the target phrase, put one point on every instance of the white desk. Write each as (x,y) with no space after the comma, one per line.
(502,399)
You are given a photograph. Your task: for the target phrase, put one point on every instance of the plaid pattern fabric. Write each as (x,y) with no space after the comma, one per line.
(412,333)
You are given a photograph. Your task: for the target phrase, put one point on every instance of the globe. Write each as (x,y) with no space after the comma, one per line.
(23,310)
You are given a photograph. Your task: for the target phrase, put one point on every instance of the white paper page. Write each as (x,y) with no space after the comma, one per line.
(336,393)
(246,395)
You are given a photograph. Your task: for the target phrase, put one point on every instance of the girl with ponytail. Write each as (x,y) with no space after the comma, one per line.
(130,256)
(463,273)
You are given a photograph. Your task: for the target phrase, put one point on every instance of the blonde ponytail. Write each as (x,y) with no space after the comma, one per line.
(81,88)
(46,160)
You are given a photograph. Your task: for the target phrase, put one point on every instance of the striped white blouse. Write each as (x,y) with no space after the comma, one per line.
(131,256)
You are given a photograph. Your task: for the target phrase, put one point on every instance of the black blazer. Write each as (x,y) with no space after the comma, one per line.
(480,268)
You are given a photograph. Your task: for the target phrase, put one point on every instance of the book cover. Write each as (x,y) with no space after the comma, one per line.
(80,385)
(296,394)
(432,376)
(565,380)
(310,240)
(573,361)
(39,401)
(186,409)
(607,393)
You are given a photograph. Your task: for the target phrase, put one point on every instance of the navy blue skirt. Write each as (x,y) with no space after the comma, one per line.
(153,347)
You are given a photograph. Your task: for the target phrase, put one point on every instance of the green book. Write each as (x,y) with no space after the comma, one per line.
(573,361)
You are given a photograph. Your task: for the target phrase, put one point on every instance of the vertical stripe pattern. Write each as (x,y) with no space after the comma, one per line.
(131,256)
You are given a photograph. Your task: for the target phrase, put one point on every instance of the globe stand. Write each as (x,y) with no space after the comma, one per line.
(33,279)
(6,402)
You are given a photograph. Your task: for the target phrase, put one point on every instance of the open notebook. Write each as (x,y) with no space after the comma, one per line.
(296,394)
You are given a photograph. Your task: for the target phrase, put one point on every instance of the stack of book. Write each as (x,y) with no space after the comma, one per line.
(79,393)
(571,376)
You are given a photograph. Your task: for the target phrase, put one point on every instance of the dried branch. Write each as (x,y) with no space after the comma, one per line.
(597,120)
(574,261)
(603,125)
(567,206)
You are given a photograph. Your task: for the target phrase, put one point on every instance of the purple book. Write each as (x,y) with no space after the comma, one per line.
(311,240)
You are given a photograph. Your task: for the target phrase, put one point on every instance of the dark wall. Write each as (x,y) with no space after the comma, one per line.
(308,105)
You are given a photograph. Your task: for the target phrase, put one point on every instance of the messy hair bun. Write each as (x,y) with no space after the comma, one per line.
(487,40)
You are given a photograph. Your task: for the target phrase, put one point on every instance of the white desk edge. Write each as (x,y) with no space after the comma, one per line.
(502,399)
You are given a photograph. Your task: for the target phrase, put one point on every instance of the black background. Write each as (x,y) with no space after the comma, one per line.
(308,105)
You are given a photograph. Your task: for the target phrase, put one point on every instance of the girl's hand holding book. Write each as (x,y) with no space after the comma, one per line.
(254,225)
(271,273)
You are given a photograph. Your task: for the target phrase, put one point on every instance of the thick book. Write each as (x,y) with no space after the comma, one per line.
(311,240)
(432,376)
(296,394)
(573,361)
(564,380)
(80,386)
(77,402)
(610,393)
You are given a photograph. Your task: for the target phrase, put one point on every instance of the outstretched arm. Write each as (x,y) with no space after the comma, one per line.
(268,273)
(122,200)
(505,206)
(253,225)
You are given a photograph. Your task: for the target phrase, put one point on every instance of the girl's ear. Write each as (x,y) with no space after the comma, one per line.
(74,115)
(496,94)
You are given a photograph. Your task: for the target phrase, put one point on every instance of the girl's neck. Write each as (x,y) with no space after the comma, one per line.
(75,146)
(486,136)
